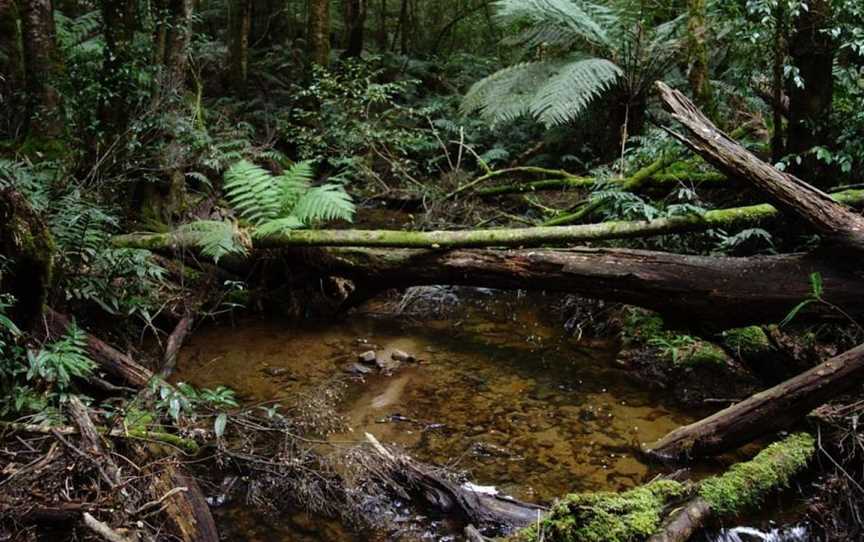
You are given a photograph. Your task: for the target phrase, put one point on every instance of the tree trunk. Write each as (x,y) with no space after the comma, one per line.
(355,22)
(766,412)
(11,65)
(727,292)
(791,195)
(238,61)
(26,242)
(698,74)
(176,50)
(119,29)
(812,49)
(319,32)
(403,27)
(778,149)
(381,33)
(43,68)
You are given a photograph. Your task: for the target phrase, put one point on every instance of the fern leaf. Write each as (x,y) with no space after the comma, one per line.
(252,193)
(569,92)
(584,19)
(293,184)
(215,238)
(279,225)
(327,202)
(508,93)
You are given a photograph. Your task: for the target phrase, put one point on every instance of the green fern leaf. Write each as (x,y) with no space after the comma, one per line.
(252,193)
(327,202)
(508,93)
(215,238)
(280,225)
(293,184)
(568,93)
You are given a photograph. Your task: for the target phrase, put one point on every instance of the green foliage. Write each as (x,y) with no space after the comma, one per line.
(605,517)
(61,361)
(588,49)
(271,204)
(816,290)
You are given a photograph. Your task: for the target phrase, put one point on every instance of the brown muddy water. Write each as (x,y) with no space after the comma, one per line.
(500,391)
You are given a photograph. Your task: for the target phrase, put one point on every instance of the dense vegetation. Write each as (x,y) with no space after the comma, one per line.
(170,161)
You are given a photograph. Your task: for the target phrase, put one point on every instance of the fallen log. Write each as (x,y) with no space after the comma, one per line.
(109,359)
(790,194)
(188,446)
(175,341)
(743,487)
(494,512)
(638,513)
(766,412)
(725,291)
(565,183)
(516,237)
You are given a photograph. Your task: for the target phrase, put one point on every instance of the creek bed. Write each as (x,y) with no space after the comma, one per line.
(500,392)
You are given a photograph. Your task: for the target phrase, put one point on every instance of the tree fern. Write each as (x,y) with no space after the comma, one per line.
(583,19)
(216,238)
(569,92)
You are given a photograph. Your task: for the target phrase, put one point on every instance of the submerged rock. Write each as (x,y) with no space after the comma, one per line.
(368,357)
(356,369)
(399,355)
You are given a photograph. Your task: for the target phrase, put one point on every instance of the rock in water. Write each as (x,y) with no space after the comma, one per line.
(400,355)
(368,357)
(357,369)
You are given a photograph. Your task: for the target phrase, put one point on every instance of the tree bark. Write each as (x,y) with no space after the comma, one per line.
(238,52)
(116,109)
(698,73)
(790,194)
(11,65)
(319,32)
(355,23)
(176,52)
(26,242)
(812,50)
(766,412)
(43,69)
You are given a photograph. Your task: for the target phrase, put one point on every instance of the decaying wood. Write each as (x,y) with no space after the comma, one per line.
(499,513)
(92,444)
(187,512)
(791,195)
(109,359)
(175,341)
(766,412)
(722,290)
(684,522)
(106,532)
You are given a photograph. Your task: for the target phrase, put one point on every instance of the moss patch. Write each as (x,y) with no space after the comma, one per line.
(746,484)
(747,342)
(605,517)
(700,354)
(641,326)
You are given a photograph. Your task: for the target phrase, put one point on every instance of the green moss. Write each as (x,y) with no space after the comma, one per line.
(747,342)
(605,517)
(700,354)
(641,326)
(746,484)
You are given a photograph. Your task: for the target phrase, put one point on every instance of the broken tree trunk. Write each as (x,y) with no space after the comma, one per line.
(724,291)
(516,237)
(498,513)
(109,359)
(791,195)
(766,412)
(175,341)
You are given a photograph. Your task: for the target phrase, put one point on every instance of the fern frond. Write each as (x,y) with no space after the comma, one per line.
(293,184)
(279,225)
(508,94)
(569,92)
(327,202)
(251,192)
(215,238)
(584,19)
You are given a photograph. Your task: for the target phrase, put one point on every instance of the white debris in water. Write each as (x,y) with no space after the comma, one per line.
(485,490)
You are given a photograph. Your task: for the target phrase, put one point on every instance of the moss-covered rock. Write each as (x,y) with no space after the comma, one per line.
(605,517)
(746,484)
(700,354)
(747,342)
(640,326)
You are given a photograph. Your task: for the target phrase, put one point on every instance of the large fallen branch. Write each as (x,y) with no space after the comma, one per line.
(516,237)
(725,291)
(791,195)
(766,412)
(565,183)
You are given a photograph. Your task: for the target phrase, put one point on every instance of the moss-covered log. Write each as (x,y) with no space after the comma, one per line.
(569,183)
(768,411)
(741,488)
(638,514)
(28,249)
(515,237)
